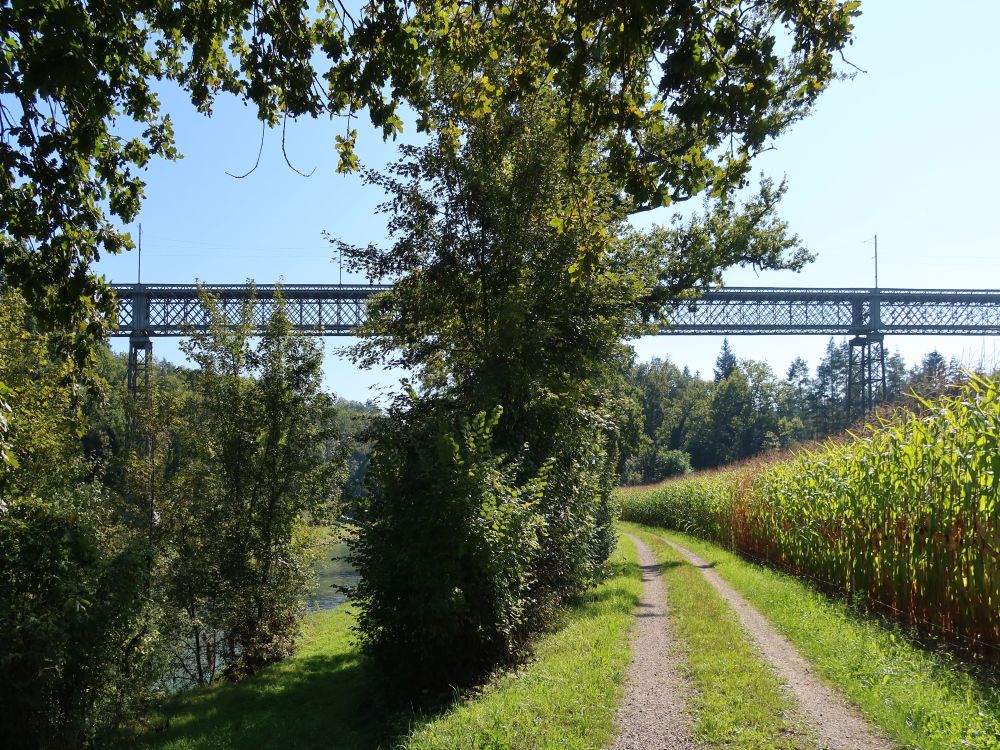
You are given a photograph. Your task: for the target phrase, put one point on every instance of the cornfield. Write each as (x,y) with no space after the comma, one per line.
(904,518)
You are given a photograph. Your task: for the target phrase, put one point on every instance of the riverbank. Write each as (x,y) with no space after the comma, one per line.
(566,696)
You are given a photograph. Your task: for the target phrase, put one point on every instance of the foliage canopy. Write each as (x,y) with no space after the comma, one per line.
(130,563)
(681,94)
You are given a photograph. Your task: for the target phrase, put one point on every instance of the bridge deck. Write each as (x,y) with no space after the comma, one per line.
(151,310)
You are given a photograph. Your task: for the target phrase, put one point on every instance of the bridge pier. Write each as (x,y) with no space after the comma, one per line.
(140,346)
(866,357)
(140,360)
(866,385)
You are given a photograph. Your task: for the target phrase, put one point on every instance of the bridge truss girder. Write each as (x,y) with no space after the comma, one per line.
(735,311)
(176,309)
(868,315)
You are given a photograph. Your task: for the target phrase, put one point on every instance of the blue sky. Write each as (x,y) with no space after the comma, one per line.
(906,150)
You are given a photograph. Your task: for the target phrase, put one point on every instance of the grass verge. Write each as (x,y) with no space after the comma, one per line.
(739,703)
(565,697)
(921,698)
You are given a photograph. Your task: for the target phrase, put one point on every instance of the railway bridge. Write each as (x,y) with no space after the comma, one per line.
(147,311)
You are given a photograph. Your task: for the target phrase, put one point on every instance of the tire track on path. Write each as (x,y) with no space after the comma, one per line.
(654,712)
(837,724)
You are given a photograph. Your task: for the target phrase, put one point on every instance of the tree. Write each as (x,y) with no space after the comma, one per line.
(254,432)
(80,118)
(656,386)
(896,377)
(517,368)
(76,649)
(732,411)
(681,97)
(639,111)
(725,363)
(934,367)
(513,292)
(763,431)
(829,397)
(113,553)
(40,429)
(670,415)
(798,376)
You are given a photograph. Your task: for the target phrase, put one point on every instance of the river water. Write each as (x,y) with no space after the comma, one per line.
(332,570)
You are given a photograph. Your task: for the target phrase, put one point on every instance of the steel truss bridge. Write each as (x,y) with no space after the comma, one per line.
(147,311)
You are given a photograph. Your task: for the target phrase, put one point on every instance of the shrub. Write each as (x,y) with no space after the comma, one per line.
(655,464)
(75,648)
(445,550)
(671,463)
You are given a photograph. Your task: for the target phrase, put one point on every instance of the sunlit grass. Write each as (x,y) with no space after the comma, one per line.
(920,698)
(568,695)
(313,699)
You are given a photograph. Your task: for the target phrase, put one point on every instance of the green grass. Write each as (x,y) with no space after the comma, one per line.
(565,697)
(740,703)
(313,699)
(922,699)
(568,695)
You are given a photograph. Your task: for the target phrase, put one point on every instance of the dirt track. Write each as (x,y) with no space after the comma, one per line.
(836,724)
(653,714)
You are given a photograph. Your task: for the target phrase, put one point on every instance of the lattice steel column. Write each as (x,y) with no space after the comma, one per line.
(140,359)
(866,386)
(140,347)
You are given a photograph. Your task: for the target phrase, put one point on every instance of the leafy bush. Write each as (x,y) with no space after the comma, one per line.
(194,545)
(76,644)
(259,457)
(466,551)
(446,546)
(671,463)
(76,651)
(655,464)
(578,532)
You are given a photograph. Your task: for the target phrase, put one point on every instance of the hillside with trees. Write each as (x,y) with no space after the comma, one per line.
(745,408)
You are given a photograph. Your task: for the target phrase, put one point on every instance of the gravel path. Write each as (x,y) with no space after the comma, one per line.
(653,714)
(836,724)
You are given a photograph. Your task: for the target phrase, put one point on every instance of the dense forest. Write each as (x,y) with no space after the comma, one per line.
(744,408)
